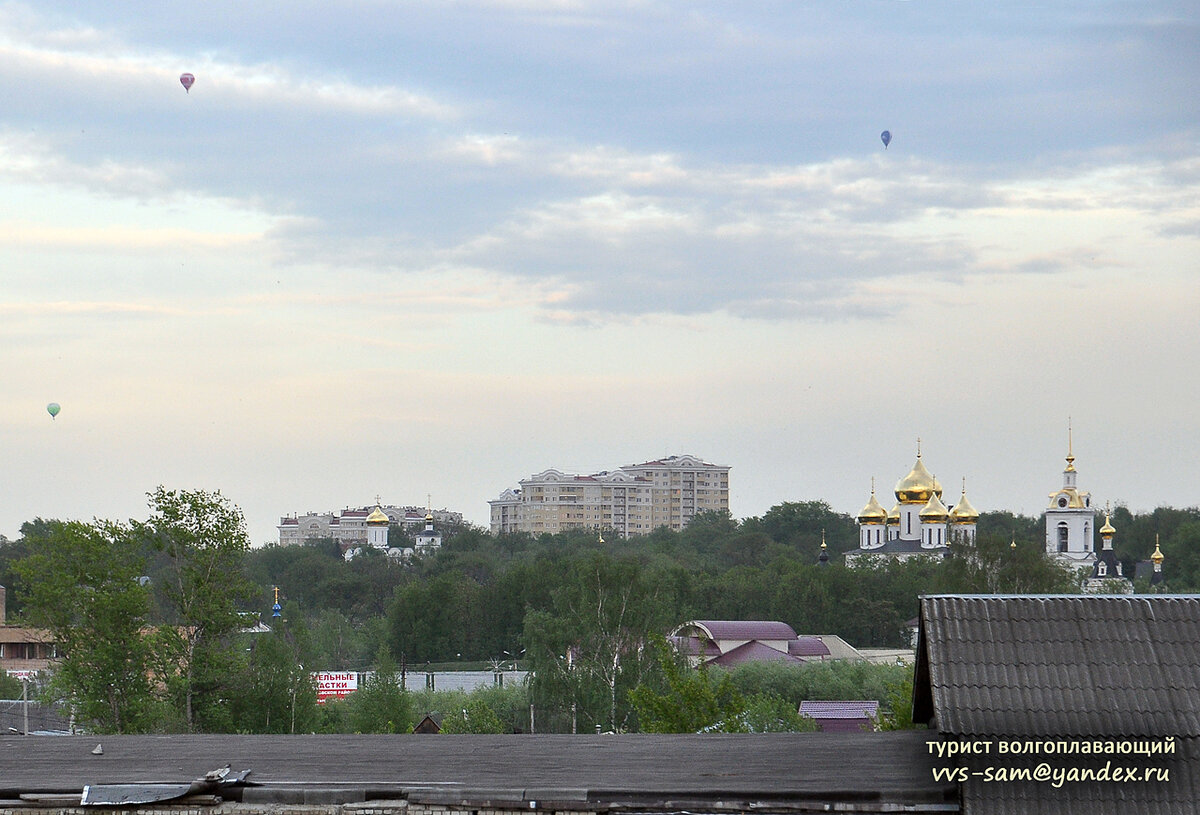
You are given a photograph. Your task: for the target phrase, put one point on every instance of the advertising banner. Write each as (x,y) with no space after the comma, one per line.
(335,684)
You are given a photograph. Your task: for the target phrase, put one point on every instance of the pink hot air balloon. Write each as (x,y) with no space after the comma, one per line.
(186,80)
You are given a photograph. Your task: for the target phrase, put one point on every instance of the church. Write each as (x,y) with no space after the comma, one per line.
(1071,520)
(919,524)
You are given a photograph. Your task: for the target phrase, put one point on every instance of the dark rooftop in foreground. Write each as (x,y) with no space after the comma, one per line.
(646,772)
(1066,671)
(1061,665)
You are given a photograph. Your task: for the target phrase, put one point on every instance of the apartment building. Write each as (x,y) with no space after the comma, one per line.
(631,500)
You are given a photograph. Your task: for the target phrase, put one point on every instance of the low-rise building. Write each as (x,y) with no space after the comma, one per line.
(843,716)
(349,526)
(725,643)
(23,648)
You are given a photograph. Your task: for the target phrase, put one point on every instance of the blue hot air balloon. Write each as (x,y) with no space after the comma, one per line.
(886,137)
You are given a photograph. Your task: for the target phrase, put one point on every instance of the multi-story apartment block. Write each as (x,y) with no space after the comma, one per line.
(632,500)
(349,527)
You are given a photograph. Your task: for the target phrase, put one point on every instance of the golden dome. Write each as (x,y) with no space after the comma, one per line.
(894,515)
(1107,530)
(963,512)
(1157,557)
(872,513)
(935,511)
(377,518)
(917,486)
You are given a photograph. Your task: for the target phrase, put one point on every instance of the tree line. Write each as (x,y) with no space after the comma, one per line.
(149,615)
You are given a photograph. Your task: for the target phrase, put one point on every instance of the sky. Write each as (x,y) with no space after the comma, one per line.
(424,250)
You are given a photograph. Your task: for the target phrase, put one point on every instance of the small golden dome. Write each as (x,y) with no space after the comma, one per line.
(1157,557)
(917,486)
(894,516)
(1107,530)
(872,513)
(963,512)
(377,518)
(935,511)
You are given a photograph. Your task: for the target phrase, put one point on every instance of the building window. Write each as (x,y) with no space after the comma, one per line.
(1062,537)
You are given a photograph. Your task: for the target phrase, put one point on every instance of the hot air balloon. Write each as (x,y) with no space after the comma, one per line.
(53,409)
(186,81)
(886,137)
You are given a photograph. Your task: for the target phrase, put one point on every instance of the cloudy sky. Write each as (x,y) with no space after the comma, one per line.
(429,248)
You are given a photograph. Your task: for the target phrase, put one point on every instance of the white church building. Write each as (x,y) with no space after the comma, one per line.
(1071,520)
(919,524)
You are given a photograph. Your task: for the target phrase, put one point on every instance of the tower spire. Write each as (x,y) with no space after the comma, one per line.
(1070,448)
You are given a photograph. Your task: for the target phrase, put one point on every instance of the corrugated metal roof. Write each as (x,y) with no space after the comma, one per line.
(808,647)
(747,629)
(848,709)
(1176,795)
(1063,665)
(1064,669)
(753,651)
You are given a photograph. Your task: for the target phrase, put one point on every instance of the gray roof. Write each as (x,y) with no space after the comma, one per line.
(1060,665)
(1178,796)
(901,546)
(1065,670)
(643,772)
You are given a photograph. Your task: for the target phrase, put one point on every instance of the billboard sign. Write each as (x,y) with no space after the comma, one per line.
(334,684)
(22,676)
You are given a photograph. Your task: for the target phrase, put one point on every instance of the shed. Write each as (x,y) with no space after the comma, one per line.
(846,716)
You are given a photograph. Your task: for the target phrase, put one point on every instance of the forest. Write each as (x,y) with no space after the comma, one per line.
(188,574)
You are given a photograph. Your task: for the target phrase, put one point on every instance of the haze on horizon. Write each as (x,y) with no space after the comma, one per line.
(430,249)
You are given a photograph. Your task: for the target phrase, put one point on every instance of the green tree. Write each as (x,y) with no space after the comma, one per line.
(799,524)
(766,713)
(203,538)
(1181,557)
(10,688)
(276,693)
(475,717)
(685,701)
(823,680)
(702,700)
(897,708)
(994,565)
(82,583)
(589,651)
(380,705)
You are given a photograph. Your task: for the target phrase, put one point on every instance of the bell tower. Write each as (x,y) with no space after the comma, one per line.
(1070,518)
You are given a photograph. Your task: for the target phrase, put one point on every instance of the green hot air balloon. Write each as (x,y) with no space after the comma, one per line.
(53,409)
